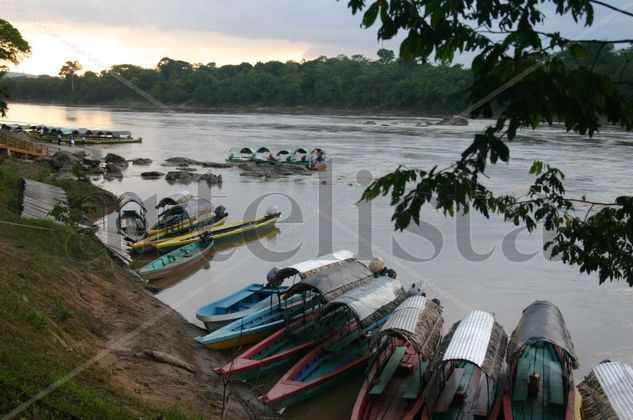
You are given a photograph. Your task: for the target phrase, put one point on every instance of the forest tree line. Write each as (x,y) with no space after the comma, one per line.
(340,82)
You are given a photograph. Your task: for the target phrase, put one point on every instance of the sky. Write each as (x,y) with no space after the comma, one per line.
(100,34)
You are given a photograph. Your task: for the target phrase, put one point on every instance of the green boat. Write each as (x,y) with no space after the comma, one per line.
(240,155)
(177,260)
(263,154)
(299,157)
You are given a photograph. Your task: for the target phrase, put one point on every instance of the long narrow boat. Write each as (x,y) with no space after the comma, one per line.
(240,155)
(344,353)
(334,279)
(290,343)
(219,232)
(465,371)
(541,359)
(192,215)
(254,297)
(178,198)
(607,392)
(176,261)
(130,220)
(401,353)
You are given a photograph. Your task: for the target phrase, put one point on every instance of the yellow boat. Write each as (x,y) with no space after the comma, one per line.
(171,232)
(219,232)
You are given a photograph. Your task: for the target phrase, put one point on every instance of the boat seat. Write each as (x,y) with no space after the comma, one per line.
(556,394)
(338,345)
(226,304)
(413,387)
(445,399)
(388,370)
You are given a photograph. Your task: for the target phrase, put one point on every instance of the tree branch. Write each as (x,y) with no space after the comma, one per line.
(608,6)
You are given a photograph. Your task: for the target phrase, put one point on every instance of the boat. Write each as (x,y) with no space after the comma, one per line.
(194,216)
(256,296)
(166,219)
(465,372)
(401,353)
(345,352)
(131,221)
(263,154)
(240,155)
(177,260)
(299,157)
(607,392)
(317,160)
(283,156)
(540,363)
(219,232)
(336,278)
(295,339)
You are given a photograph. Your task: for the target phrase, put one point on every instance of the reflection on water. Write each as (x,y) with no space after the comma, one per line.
(318,219)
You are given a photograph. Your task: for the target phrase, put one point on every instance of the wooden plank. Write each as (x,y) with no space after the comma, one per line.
(388,371)
(556,391)
(483,398)
(525,366)
(445,399)
(413,387)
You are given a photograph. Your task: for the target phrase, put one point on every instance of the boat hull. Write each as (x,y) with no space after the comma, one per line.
(162,234)
(194,254)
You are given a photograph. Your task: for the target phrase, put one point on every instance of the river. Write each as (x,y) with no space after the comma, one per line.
(468,262)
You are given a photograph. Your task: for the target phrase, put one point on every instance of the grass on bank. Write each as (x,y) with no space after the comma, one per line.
(47,328)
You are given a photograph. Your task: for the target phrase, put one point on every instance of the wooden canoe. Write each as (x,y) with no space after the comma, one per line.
(176,261)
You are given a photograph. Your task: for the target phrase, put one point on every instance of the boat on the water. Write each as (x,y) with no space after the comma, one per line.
(255,296)
(131,221)
(346,351)
(240,155)
(219,232)
(299,156)
(299,302)
(465,372)
(607,392)
(317,160)
(283,156)
(401,354)
(177,260)
(263,154)
(295,339)
(541,359)
(169,219)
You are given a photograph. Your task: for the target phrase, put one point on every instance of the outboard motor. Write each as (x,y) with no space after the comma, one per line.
(273,211)
(220,212)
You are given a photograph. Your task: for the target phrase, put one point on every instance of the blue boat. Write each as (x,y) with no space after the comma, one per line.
(242,303)
(254,297)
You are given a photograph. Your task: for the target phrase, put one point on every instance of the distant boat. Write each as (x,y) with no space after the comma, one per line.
(607,392)
(177,260)
(345,352)
(168,219)
(401,354)
(263,154)
(541,360)
(317,160)
(240,155)
(131,221)
(254,297)
(465,372)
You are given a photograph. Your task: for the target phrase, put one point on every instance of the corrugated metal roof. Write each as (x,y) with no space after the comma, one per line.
(471,338)
(370,298)
(40,199)
(405,317)
(313,264)
(616,379)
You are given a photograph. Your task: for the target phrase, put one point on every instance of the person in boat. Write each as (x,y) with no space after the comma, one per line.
(271,158)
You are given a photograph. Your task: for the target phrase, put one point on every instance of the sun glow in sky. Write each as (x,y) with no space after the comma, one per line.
(100,34)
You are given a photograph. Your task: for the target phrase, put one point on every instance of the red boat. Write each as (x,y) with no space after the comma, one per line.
(401,353)
(465,372)
(344,353)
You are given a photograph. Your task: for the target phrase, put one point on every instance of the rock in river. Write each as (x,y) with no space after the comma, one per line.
(141,161)
(117,160)
(152,174)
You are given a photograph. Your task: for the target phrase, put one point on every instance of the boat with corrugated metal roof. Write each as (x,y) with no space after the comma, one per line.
(541,358)
(292,341)
(607,392)
(345,352)
(131,221)
(299,301)
(401,353)
(466,370)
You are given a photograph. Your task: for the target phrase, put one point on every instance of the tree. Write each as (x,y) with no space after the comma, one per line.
(68,71)
(12,49)
(385,56)
(521,78)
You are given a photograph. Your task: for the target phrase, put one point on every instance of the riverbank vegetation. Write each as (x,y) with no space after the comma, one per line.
(64,303)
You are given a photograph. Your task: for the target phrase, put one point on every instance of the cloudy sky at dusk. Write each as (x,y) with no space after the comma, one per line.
(100,34)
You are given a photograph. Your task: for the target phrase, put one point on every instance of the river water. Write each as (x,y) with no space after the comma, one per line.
(468,262)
